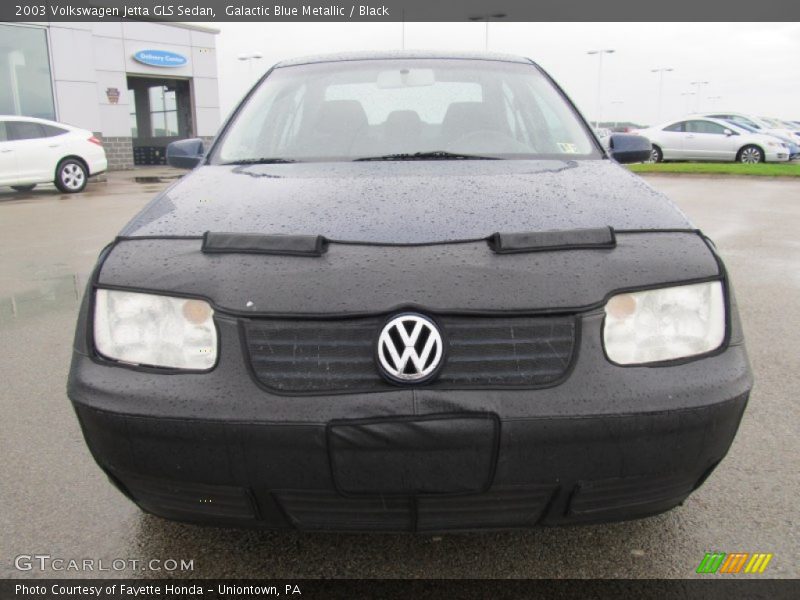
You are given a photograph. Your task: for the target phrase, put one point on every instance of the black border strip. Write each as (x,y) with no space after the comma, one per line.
(495,242)
(268,244)
(446,242)
(703,587)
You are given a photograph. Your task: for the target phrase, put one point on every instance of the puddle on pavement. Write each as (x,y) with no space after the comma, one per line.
(154,179)
(52,295)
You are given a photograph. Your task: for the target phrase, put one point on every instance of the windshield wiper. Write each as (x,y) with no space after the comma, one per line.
(433,155)
(260,161)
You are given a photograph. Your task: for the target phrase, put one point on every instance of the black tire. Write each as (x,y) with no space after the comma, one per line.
(23,188)
(656,156)
(750,155)
(71,176)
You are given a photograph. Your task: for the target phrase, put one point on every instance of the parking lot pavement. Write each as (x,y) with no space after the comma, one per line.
(56,501)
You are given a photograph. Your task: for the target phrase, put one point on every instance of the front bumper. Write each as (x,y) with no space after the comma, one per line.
(608,443)
(777,156)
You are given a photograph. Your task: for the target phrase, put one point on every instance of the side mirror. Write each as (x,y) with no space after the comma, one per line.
(185,154)
(626,148)
(729,133)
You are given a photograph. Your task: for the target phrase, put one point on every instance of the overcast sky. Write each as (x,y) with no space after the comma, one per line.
(750,67)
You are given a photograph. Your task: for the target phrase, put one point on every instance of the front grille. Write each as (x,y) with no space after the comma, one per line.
(310,356)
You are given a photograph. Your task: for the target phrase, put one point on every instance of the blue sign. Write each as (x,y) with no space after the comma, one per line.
(160,58)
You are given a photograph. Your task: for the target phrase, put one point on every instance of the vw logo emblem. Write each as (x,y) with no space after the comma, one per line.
(410,349)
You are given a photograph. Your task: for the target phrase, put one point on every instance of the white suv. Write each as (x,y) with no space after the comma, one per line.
(36,151)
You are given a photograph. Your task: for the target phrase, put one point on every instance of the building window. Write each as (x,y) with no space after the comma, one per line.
(163,111)
(26,88)
(133,118)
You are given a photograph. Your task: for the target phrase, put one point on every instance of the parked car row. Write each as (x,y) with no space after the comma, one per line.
(34,151)
(724,137)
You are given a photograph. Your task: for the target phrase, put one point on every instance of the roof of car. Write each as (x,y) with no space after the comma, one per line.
(42,121)
(405,54)
(34,119)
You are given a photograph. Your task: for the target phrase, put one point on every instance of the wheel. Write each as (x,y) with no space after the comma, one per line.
(656,156)
(750,155)
(71,176)
(23,188)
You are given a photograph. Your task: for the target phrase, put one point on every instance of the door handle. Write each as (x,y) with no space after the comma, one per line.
(7,150)
(54,145)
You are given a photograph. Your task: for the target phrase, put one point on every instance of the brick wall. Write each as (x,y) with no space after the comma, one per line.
(119,152)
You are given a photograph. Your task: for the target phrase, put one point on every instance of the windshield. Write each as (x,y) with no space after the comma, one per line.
(405,110)
(741,125)
(740,120)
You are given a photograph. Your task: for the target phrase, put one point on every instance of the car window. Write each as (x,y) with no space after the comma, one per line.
(3,134)
(24,130)
(679,126)
(430,102)
(744,126)
(704,127)
(372,108)
(52,130)
(748,122)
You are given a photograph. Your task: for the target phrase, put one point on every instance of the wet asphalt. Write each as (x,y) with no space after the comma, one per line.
(55,501)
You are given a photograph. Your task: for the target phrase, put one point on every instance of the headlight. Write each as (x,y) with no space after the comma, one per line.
(664,324)
(145,329)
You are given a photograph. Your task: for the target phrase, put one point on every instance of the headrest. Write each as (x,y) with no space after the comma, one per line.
(465,117)
(340,116)
(404,121)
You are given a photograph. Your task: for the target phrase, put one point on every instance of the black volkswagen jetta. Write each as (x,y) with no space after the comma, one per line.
(408,292)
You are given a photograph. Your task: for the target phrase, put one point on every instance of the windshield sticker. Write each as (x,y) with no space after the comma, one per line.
(568,148)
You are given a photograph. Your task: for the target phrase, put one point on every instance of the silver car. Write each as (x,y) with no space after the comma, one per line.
(707,139)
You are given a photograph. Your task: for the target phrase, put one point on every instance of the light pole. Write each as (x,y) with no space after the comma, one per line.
(699,85)
(686,103)
(487,18)
(660,72)
(599,54)
(617,103)
(713,99)
(249,58)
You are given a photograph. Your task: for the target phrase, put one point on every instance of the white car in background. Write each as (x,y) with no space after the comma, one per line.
(604,135)
(34,151)
(785,126)
(704,139)
(763,125)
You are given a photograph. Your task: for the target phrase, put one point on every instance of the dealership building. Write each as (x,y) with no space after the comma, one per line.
(137,85)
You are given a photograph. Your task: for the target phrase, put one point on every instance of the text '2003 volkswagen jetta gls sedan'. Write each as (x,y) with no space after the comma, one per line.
(408,292)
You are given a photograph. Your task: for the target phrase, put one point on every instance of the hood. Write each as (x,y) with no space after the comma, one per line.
(406,202)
